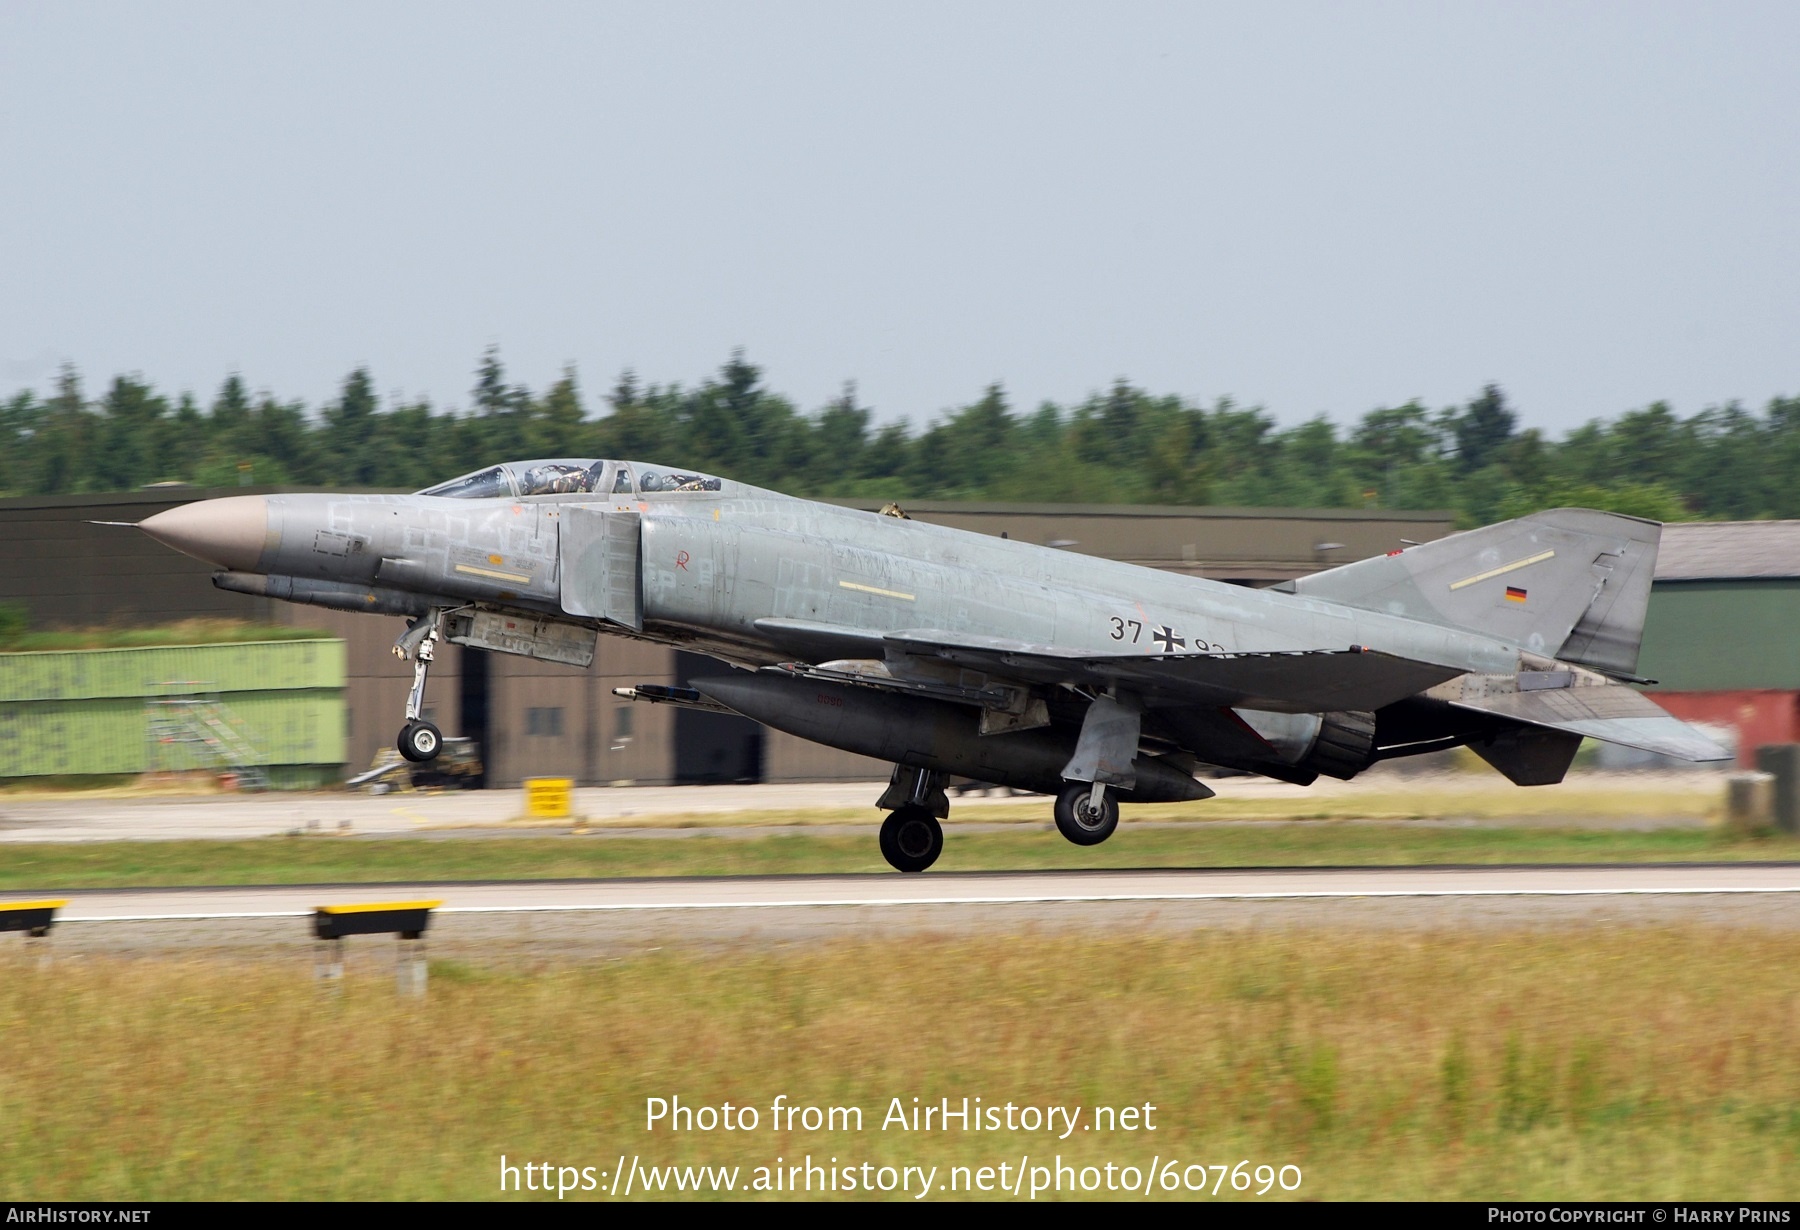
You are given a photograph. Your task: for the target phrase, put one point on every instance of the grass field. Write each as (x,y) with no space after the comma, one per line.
(1437,797)
(1599,1063)
(314,860)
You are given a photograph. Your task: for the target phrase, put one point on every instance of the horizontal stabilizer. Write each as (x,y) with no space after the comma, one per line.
(1301,681)
(1611,712)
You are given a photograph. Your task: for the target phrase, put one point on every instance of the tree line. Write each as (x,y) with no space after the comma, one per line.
(1123,445)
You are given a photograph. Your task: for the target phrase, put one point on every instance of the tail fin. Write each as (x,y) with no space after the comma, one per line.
(1570,583)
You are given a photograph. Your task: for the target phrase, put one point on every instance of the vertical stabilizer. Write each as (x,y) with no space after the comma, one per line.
(1570,583)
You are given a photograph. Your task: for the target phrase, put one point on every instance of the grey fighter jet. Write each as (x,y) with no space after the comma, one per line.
(945,652)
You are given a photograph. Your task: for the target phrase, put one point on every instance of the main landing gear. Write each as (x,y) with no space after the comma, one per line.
(1086,814)
(419,740)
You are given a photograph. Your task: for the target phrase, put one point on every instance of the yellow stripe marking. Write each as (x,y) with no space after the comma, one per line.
(473,571)
(870,589)
(379,905)
(1491,573)
(31,905)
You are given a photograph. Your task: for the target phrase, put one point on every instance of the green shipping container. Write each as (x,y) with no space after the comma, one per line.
(277,703)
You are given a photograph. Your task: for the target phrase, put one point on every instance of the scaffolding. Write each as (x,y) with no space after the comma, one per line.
(188,727)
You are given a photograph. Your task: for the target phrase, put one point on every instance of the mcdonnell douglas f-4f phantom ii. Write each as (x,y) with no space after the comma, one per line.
(946,652)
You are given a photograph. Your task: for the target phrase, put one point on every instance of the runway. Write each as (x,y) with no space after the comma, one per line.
(552,921)
(91,817)
(1662,800)
(950,890)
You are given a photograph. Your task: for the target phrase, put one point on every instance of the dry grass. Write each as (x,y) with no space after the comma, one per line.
(1477,800)
(1649,1063)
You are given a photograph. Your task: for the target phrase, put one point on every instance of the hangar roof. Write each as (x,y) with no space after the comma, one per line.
(1728,550)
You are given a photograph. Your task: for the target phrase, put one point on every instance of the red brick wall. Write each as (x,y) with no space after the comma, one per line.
(1759,717)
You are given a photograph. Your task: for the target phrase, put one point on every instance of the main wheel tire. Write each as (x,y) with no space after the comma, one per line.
(911,838)
(1078,822)
(420,741)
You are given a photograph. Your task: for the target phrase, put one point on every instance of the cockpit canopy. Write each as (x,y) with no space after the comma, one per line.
(570,476)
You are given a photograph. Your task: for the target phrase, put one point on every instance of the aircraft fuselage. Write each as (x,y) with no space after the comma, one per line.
(948,652)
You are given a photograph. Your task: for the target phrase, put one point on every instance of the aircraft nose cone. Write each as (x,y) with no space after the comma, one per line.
(229,532)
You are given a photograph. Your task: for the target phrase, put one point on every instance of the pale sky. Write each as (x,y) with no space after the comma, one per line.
(1319,208)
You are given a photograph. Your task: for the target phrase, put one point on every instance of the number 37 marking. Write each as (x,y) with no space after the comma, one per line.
(1120,625)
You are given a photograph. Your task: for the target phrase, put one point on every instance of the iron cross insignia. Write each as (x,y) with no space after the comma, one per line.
(1165,636)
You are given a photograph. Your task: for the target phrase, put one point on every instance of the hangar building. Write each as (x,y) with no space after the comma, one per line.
(1723,635)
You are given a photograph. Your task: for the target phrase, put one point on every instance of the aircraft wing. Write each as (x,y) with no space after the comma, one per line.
(1301,681)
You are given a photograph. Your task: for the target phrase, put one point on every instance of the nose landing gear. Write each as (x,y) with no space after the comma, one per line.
(419,740)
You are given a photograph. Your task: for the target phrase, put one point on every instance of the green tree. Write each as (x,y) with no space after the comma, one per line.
(350,432)
(1241,453)
(1393,453)
(642,425)
(1736,461)
(230,446)
(183,439)
(287,445)
(21,425)
(1124,444)
(67,440)
(1483,428)
(713,415)
(128,455)
(970,450)
(506,412)
(560,427)
(838,442)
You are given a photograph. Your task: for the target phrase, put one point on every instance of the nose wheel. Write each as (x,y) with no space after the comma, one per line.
(419,740)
